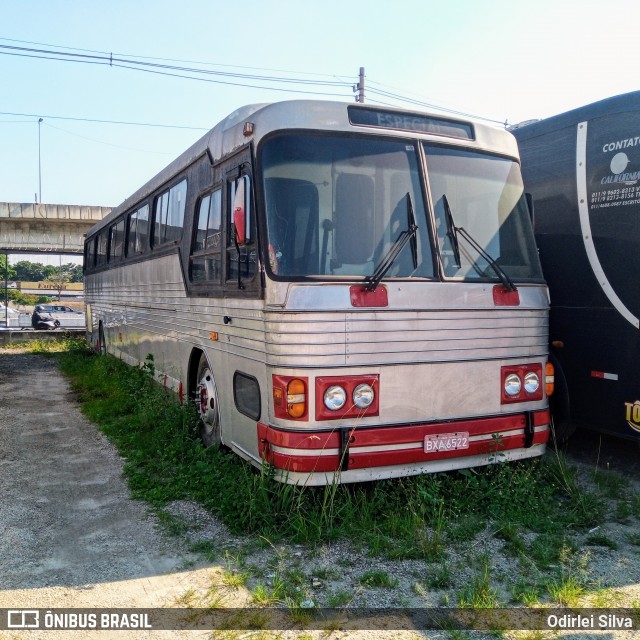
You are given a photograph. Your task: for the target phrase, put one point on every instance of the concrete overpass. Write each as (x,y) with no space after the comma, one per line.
(46,228)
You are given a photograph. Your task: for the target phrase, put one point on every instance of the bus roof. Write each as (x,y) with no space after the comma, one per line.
(608,106)
(228,135)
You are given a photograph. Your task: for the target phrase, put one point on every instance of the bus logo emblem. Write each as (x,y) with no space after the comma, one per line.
(633,415)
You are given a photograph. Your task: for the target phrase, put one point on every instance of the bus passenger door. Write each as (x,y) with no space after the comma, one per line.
(243,337)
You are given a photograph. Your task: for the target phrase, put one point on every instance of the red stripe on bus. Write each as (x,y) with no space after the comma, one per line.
(408,456)
(269,437)
(331,463)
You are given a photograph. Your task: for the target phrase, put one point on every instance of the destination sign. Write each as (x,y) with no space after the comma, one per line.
(410,122)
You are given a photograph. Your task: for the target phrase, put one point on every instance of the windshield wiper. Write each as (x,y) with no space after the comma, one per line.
(506,281)
(394,251)
(451,231)
(413,228)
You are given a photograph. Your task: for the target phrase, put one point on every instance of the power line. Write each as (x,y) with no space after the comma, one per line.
(159,66)
(108,144)
(233,84)
(428,105)
(199,62)
(78,119)
(194,73)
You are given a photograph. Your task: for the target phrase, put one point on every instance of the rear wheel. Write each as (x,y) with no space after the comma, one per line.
(206,398)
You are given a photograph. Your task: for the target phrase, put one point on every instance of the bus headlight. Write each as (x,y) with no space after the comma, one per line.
(531,382)
(335,397)
(521,383)
(343,397)
(512,385)
(363,396)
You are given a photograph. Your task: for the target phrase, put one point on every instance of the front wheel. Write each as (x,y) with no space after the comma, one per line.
(206,398)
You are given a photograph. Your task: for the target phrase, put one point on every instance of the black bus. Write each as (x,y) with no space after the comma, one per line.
(583,171)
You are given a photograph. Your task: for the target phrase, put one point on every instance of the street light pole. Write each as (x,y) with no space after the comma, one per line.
(39,165)
(6,289)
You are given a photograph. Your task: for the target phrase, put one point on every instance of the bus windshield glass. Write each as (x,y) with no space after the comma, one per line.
(336,206)
(483,195)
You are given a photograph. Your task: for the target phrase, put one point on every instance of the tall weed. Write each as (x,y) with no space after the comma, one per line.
(401,518)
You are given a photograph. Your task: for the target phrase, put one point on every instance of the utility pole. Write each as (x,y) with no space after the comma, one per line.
(360,87)
(39,165)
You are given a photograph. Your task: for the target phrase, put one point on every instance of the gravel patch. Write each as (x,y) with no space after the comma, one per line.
(70,536)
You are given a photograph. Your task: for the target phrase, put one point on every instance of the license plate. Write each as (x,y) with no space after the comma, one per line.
(446,442)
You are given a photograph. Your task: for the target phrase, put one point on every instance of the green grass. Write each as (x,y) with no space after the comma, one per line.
(378,580)
(440,577)
(288,588)
(546,548)
(339,598)
(572,580)
(568,592)
(513,538)
(633,538)
(601,540)
(234,580)
(479,593)
(526,592)
(61,342)
(413,517)
(611,483)
(325,573)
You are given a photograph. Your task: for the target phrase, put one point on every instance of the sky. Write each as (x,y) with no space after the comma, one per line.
(498,60)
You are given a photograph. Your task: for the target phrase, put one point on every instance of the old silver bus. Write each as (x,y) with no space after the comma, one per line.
(345,291)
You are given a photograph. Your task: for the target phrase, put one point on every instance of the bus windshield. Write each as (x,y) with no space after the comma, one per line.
(337,205)
(482,195)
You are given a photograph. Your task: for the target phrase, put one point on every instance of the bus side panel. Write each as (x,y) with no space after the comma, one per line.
(145,313)
(591,311)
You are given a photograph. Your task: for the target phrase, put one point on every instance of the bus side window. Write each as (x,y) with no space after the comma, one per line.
(137,231)
(101,253)
(116,241)
(90,254)
(169,214)
(206,250)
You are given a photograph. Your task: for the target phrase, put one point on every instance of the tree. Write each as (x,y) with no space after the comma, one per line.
(26,271)
(31,271)
(11,274)
(74,271)
(59,277)
(25,299)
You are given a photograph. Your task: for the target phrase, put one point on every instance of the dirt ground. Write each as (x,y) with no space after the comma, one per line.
(70,536)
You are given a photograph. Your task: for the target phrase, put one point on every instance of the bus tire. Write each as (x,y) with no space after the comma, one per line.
(560,407)
(207,405)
